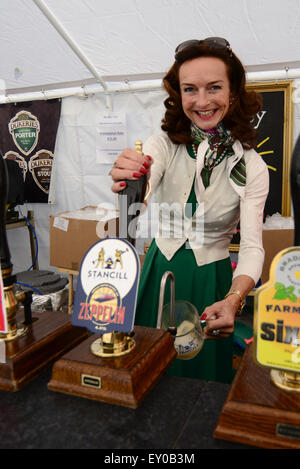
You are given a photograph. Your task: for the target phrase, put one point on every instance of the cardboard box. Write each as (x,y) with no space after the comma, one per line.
(274,241)
(72,233)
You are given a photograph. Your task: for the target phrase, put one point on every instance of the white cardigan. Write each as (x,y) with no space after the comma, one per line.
(221,206)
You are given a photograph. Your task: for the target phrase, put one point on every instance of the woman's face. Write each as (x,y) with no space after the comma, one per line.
(205,91)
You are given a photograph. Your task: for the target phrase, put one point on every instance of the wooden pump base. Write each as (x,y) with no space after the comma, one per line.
(257,412)
(124,380)
(50,335)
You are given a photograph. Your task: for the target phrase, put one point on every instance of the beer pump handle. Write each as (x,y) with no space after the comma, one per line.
(295,190)
(139,147)
(4,249)
(11,299)
(133,193)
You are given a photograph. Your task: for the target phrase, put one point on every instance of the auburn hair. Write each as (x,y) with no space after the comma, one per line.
(244,104)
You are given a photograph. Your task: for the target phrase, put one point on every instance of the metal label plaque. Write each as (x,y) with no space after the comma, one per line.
(91,381)
(288,431)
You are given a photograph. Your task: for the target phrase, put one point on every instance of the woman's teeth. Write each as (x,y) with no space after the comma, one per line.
(205,113)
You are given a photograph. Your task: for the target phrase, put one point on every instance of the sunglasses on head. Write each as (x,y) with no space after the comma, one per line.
(214,42)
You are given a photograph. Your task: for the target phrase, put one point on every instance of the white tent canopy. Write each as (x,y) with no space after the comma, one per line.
(99,49)
(46,44)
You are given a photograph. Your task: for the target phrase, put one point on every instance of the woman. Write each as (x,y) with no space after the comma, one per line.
(205,161)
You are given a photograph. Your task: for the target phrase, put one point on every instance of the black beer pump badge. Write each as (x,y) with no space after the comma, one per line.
(106,292)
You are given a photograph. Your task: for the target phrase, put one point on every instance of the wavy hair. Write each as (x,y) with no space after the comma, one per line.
(243,107)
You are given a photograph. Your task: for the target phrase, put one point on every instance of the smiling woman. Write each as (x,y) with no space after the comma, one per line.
(204,162)
(243,103)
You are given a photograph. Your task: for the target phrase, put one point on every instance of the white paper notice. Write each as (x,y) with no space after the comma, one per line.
(111,138)
(61,223)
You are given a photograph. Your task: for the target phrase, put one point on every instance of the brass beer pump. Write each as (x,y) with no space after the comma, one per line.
(284,379)
(31,343)
(266,390)
(11,299)
(116,344)
(118,367)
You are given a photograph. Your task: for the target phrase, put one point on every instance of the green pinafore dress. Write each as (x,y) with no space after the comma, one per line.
(201,286)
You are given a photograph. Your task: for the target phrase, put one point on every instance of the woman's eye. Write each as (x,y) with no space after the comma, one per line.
(215,88)
(188,89)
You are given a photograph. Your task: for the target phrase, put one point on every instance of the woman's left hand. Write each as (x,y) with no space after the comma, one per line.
(219,318)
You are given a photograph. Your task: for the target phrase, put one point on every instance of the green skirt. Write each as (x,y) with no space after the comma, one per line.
(201,286)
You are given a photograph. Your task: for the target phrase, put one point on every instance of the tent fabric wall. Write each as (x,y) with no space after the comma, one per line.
(79,180)
(77,169)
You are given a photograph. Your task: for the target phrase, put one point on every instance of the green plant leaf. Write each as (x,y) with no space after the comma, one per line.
(293,297)
(290,289)
(280,295)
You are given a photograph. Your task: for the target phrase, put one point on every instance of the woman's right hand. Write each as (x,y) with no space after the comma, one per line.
(129,165)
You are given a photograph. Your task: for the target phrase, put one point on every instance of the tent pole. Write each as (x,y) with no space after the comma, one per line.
(120,87)
(70,41)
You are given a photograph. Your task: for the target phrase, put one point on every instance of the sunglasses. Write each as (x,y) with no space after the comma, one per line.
(214,42)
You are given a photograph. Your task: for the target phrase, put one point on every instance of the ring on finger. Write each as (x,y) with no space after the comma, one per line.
(215,332)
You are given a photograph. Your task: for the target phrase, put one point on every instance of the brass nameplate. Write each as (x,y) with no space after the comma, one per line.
(91,381)
(288,431)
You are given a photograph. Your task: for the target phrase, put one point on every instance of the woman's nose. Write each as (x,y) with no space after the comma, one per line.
(202,98)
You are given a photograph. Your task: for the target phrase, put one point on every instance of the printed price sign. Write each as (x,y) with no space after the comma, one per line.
(111,138)
(277,314)
(105,298)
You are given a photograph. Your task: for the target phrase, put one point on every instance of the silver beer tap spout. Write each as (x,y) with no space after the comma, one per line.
(172,329)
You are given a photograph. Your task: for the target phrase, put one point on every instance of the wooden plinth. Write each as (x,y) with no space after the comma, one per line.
(47,338)
(125,380)
(257,412)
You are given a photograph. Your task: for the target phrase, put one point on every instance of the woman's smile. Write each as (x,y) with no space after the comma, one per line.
(206,114)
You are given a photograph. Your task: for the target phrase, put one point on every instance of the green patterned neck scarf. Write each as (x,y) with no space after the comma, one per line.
(219,141)
(220,146)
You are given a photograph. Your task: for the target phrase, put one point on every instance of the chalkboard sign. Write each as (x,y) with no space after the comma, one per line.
(274,126)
